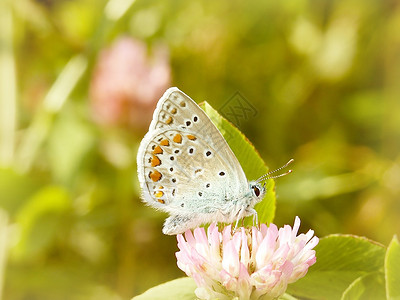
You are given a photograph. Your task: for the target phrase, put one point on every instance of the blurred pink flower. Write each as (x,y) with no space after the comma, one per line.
(127,82)
(256,263)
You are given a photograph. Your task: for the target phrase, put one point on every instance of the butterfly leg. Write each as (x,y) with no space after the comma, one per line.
(255,216)
(240,216)
(176,224)
(236,224)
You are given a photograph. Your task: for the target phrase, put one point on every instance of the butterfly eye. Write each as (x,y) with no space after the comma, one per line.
(256,191)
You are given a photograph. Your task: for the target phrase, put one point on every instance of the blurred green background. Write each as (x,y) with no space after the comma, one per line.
(79,80)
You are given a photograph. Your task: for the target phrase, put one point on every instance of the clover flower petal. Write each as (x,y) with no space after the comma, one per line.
(248,263)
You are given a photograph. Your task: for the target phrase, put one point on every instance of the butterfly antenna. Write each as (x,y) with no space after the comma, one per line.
(266,176)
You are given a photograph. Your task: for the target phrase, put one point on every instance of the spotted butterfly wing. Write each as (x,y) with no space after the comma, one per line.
(185,166)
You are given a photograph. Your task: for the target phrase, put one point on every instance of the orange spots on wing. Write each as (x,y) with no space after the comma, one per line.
(191,137)
(164,142)
(161,201)
(158,194)
(173,111)
(169,120)
(177,138)
(155,161)
(158,150)
(155,175)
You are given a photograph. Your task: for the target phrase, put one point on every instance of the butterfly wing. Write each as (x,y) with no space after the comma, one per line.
(175,109)
(185,166)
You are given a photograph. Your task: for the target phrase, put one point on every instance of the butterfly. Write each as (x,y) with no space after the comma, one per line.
(187,169)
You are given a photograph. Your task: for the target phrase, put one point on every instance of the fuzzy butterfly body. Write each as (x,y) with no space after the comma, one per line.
(187,169)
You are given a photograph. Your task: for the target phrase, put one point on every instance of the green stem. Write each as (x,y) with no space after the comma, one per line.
(3,247)
(8,90)
(116,9)
(52,104)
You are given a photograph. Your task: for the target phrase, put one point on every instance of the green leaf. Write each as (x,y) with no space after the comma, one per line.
(287,297)
(370,286)
(392,269)
(341,259)
(250,160)
(181,288)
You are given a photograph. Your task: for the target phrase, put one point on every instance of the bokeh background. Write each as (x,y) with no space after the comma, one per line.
(79,80)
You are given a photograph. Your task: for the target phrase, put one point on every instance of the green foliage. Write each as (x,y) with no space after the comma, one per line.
(41,221)
(340,261)
(370,286)
(392,271)
(66,158)
(181,288)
